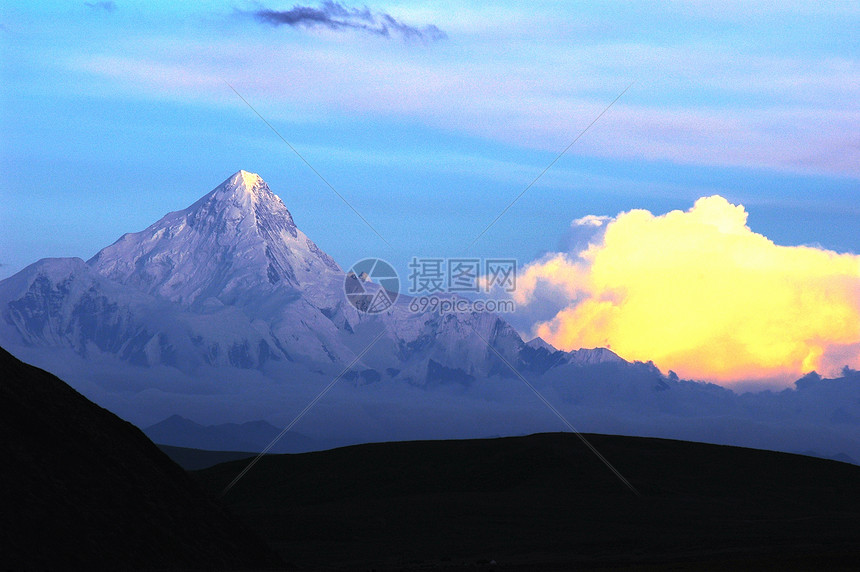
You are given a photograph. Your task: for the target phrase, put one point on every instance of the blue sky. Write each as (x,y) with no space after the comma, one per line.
(115,113)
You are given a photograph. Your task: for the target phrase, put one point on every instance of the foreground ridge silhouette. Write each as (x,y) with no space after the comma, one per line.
(83,489)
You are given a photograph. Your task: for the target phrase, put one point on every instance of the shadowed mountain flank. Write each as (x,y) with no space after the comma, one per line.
(83,489)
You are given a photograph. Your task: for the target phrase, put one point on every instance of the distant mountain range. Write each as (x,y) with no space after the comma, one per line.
(225,312)
(249,436)
(231,281)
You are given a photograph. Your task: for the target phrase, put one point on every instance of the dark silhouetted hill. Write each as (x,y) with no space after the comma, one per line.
(81,489)
(545,502)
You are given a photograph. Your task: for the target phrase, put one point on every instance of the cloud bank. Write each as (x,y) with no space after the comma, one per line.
(700,293)
(336,16)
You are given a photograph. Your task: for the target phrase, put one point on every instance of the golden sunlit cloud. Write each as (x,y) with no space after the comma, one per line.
(700,293)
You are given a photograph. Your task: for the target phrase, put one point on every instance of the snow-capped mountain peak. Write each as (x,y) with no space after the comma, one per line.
(245,196)
(236,238)
(539,343)
(232,280)
(248,180)
(248,192)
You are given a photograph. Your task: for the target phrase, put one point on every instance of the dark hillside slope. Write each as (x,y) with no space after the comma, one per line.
(82,489)
(545,502)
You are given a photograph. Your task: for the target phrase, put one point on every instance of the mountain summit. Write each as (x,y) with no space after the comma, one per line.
(239,236)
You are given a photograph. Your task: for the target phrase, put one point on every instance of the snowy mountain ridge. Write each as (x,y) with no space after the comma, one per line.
(231,280)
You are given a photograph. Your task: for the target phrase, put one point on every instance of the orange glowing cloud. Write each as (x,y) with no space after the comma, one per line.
(700,293)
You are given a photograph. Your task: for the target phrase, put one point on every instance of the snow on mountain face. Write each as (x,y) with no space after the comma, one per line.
(587,356)
(62,303)
(237,238)
(232,281)
(540,343)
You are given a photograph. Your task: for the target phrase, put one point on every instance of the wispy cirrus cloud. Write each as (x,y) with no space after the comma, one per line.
(695,103)
(337,16)
(106,6)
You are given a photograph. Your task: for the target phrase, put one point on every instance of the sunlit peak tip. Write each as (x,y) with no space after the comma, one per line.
(245,178)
